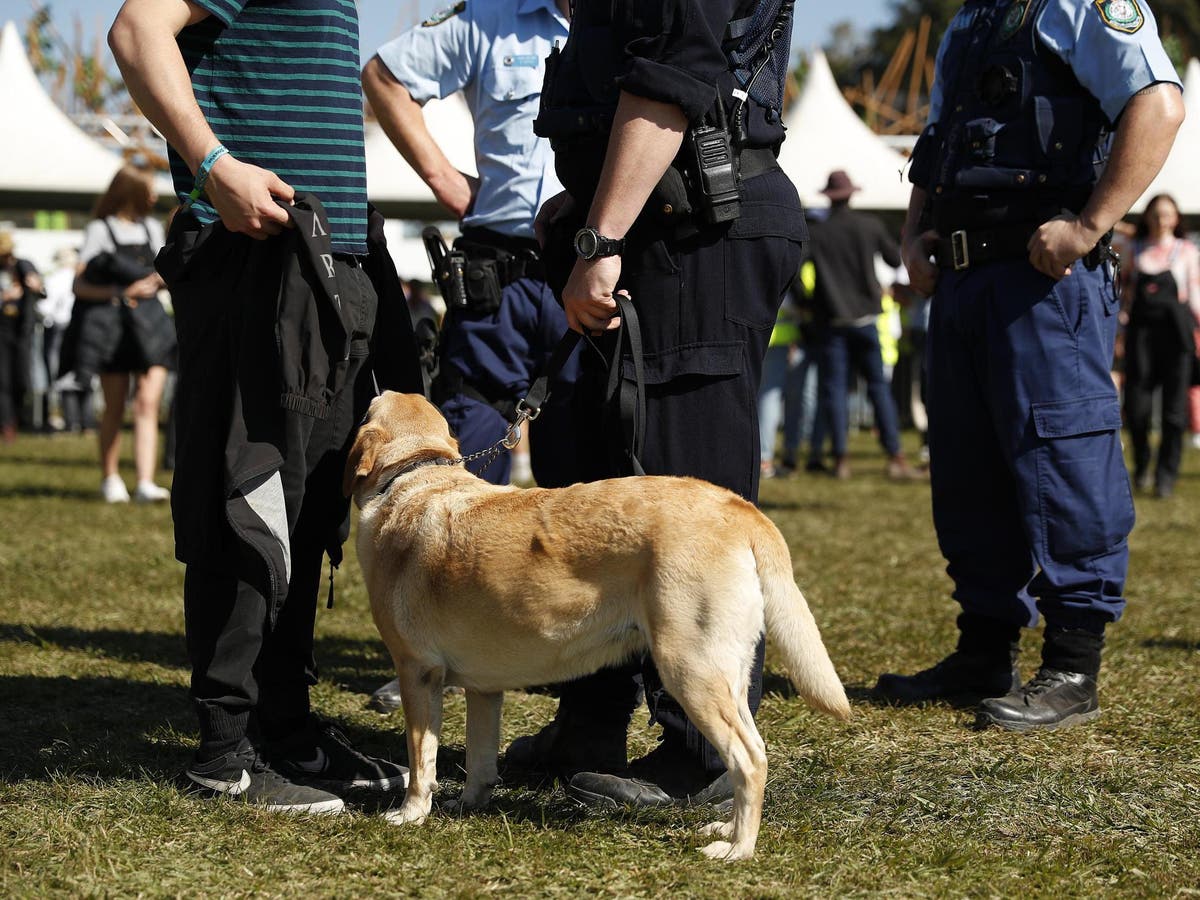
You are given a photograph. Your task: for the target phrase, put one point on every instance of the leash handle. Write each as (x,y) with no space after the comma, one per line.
(629,397)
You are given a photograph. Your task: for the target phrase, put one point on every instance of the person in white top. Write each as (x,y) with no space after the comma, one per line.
(1161,293)
(54,311)
(116,338)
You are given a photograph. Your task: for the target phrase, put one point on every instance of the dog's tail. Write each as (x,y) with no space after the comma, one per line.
(793,628)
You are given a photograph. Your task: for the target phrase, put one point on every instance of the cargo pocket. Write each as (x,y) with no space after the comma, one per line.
(1083,491)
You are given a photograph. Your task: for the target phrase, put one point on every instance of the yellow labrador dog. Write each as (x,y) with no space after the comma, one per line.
(493,588)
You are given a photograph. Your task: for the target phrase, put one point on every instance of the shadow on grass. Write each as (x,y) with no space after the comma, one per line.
(349,662)
(69,462)
(1172,644)
(42,491)
(159,648)
(90,726)
(115,728)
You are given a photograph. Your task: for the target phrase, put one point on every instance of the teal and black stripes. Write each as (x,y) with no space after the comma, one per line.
(277,81)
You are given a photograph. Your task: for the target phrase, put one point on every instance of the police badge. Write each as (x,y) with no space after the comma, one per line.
(1013,20)
(443,14)
(1121,15)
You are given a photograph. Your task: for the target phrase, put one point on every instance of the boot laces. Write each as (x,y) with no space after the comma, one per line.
(1043,681)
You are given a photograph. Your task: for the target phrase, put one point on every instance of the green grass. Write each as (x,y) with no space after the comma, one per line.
(95,725)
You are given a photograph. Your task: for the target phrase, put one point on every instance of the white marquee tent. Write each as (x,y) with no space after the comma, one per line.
(43,154)
(1180,175)
(824,134)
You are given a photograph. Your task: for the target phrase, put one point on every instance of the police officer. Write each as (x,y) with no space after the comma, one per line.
(492,350)
(665,122)
(1049,119)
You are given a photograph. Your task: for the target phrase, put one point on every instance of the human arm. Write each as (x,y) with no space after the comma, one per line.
(917,246)
(1192,254)
(1143,139)
(143,43)
(404,124)
(646,137)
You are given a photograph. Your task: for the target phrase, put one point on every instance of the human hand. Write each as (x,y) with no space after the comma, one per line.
(143,288)
(244,196)
(1058,243)
(456,191)
(560,204)
(588,296)
(915,253)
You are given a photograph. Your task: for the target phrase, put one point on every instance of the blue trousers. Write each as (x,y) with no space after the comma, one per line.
(788,392)
(1031,500)
(501,353)
(857,347)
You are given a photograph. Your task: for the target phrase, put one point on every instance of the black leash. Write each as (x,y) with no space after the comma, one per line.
(629,397)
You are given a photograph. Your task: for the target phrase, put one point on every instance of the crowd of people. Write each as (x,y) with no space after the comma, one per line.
(629,191)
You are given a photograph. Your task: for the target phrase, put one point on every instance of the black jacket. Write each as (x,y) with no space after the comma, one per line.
(274,371)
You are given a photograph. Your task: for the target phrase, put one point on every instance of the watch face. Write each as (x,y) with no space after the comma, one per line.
(586,243)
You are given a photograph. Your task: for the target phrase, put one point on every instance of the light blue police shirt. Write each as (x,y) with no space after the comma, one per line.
(1112,46)
(495,52)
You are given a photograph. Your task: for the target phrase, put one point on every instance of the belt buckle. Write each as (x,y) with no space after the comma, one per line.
(958,249)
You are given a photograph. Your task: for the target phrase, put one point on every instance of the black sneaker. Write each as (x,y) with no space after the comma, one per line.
(1051,700)
(960,675)
(246,776)
(321,755)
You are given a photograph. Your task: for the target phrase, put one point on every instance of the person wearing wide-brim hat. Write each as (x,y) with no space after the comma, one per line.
(839,187)
(847,303)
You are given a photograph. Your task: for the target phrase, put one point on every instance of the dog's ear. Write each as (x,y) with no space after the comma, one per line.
(361,461)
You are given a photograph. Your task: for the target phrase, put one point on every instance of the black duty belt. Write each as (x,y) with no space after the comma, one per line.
(755,161)
(515,258)
(973,247)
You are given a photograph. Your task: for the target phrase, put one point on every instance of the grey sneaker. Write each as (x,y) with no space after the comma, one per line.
(246,776)
(321,755)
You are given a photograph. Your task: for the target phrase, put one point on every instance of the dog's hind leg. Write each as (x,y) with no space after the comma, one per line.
(421,694)
(483,746)
(716,704)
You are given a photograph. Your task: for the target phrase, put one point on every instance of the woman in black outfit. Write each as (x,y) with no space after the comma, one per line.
(123,330)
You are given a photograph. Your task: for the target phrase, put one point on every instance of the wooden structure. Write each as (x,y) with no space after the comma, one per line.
(899,103)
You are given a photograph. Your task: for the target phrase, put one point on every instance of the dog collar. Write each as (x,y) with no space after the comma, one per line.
(404,470)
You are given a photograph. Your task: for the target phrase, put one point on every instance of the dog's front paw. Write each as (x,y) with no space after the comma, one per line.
(720,829)
(724,850)
(407,814)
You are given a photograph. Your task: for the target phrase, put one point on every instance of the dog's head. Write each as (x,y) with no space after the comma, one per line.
(399,430)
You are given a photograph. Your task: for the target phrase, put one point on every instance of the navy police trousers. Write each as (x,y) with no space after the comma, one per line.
(1031,499)
(501,353)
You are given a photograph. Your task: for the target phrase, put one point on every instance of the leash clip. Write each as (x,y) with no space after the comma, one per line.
(525,411)
(513,436)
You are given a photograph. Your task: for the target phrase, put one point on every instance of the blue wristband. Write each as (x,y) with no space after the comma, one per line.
(203,172)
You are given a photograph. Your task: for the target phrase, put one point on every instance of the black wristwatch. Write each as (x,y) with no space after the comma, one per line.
(591,244)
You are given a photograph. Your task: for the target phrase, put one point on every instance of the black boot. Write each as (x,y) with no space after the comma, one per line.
(983,665)
(576,741)
(1064,691)
(668,775)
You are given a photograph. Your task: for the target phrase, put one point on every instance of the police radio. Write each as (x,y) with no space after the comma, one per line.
(449,268)
(714,171)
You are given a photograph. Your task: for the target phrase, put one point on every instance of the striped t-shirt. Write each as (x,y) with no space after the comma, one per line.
(278,82)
